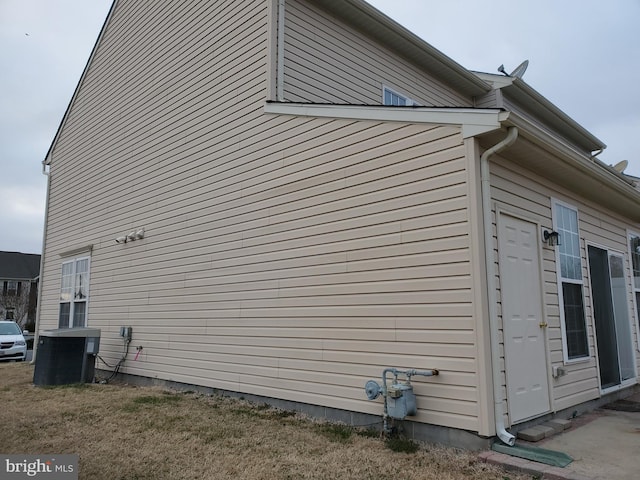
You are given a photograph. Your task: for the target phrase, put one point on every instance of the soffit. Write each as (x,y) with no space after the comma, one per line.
(524,95)
(529,101)
(584,176)
(472,121)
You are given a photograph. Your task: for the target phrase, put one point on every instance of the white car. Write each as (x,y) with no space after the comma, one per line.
(12,343)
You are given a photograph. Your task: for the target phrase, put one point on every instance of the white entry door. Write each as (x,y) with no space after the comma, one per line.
(523,322)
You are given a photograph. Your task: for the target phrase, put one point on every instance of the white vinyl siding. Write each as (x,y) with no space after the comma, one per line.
(288,257)
(326,61)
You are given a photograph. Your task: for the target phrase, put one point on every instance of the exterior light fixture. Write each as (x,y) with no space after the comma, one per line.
(131,236)
(551,238)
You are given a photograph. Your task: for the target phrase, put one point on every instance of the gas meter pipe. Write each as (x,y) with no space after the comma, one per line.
(395,372)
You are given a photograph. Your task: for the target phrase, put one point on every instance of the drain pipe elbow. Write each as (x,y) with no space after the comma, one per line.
(509,140)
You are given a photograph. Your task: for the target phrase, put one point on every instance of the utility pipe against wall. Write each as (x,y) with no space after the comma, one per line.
(509,140)
(36,334)
(280,52)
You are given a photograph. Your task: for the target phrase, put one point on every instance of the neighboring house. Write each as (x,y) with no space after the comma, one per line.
(282,198)
(19,273)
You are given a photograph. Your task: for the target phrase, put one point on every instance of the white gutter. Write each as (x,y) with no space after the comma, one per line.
(511,137)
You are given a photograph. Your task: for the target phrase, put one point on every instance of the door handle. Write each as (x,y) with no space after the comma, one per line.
(543,324)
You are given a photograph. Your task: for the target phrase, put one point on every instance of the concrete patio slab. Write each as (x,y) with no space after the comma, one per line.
(604,443)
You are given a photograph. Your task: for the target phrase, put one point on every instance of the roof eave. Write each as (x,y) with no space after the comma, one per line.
(472,121)
(627,194)
(551,113)
(532,101)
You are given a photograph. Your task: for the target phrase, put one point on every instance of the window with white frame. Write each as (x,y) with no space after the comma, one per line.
(570,282)
(11,288)
(391,97)
(634,246)
(74,293)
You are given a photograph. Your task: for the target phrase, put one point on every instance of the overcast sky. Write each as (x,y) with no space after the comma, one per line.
(584,56)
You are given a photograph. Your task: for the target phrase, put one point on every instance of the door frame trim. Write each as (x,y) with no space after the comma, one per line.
(631,381)
(500,212)
(636,305)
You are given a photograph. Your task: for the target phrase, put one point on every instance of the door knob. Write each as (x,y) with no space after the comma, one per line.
(543,324)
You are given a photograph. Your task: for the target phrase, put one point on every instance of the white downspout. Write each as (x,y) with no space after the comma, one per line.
(511,137)
(280,53)
(36,334)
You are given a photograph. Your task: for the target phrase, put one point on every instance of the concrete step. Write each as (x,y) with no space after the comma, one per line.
(544,430)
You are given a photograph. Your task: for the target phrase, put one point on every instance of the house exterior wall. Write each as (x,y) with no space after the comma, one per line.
(523,193)
(288,257)
(327,61)
(20,305)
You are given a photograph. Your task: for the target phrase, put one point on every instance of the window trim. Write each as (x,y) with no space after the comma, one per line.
(635,291)
(13,292)
(562,280)
(72,302)
(408,101)
(611,251)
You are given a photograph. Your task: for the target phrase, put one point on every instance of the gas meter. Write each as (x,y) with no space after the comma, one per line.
(399,399)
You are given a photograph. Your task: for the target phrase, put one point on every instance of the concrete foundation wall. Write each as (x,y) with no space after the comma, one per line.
(451,437)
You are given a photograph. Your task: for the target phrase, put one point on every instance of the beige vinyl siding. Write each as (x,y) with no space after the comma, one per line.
(327,61)
(292,258)
(489,100)
(353,256)
(523,193)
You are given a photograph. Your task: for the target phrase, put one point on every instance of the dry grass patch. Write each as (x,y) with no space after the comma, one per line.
(135,433)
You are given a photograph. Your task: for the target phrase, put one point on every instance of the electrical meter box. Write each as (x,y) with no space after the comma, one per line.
(66,355)
(401,401)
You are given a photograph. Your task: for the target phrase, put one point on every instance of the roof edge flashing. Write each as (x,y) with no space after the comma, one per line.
(473,121)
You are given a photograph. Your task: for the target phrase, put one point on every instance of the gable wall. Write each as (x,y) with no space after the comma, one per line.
(288,257)
(521,192)
(328,62)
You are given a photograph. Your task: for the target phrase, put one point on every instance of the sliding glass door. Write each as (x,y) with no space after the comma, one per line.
(611,315)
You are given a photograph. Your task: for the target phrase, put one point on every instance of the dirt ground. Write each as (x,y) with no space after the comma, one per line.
(123,432)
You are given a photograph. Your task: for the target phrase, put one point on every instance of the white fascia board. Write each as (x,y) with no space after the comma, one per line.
(590,164)
(474,121)
(496,81)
